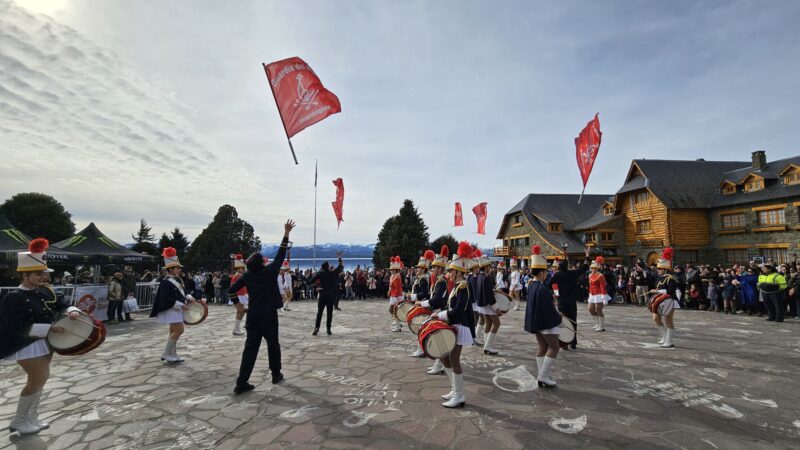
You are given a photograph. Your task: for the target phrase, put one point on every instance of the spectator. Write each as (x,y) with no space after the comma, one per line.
(128,287)
(115,299)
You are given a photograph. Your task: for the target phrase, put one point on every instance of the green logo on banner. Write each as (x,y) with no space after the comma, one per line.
(73,241)
(16,235)
(108,242)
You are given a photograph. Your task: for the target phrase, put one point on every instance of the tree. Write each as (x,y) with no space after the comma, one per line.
(225,235)
(445,239)
(404,235)
(39,215)
(179,241)
(164,242)
(144,241)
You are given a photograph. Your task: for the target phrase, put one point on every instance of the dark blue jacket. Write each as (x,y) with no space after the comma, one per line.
(541,313)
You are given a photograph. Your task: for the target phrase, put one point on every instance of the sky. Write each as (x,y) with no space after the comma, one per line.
(161,110)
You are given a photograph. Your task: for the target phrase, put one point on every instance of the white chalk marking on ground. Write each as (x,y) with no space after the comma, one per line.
(569,426)
(726,410)
(796,423)
(718,372)
(205,399)
(736,330)
(519,375)
(709,443)
(649,345)
(299,412)
(767,402)
(361,419)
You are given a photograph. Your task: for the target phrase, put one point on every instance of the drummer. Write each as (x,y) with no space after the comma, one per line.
(438,296)
(395,289)
(458,313)
(420,291)
(171,300)
(664,313)
(542,318)
(27,315)
(240,298)
(484,291)
(472,279)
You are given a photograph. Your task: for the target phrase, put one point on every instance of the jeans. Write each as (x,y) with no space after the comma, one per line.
(265,326)
(115,310)
(349,294)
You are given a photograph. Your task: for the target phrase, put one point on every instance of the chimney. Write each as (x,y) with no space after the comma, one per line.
(759,159)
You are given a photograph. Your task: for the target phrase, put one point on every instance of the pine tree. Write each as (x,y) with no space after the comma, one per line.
(404,235)
(164,242)
(144,241)
(225,235)
(179,241)
(445,239)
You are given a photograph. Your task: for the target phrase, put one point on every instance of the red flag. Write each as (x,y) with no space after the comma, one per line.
(302,99)
(480,214)
(338,205)
(459,218)
(587,144)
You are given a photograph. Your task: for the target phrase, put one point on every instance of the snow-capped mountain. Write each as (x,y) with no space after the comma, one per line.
(327,250)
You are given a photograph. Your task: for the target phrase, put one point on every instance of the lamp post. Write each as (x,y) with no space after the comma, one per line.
(565,245)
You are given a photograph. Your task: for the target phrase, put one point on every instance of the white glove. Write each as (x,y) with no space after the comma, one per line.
(425,304)
(39,330)
(72,309)
(662,291)
(179,305)
(189,297)
(442,315)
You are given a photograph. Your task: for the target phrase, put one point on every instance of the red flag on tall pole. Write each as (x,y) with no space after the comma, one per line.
(338,205)
(301,98)
(587,144)
(480,214)
(459,217)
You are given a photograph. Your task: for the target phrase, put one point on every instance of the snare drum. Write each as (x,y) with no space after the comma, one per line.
(80,335)
(566,332)
(437,338)
(196,313)
(503,303)
(401,309)
(416,317)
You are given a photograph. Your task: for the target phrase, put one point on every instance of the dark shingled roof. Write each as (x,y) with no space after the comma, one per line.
(686,184)
(774,189)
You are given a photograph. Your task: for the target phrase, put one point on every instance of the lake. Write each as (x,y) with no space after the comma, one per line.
(349,263)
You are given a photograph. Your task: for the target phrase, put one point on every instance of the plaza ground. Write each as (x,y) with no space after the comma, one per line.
(730,383)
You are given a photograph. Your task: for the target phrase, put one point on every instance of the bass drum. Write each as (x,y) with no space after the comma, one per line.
(80,335)
(437,338)
(401,310)
(195,314)
(566,332)
(503,302)
(416,317)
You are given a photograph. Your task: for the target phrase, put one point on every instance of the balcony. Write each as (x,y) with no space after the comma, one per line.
(502,251)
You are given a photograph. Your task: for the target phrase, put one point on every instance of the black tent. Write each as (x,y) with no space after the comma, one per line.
(92,243)
(12,241)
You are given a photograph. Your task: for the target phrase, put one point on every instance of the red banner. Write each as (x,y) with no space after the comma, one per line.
(459,217)
(301,98)
(480,214)
(338,205)
(587,144)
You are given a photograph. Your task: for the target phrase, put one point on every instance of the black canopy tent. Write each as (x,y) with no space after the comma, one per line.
(91,242)
(13,241)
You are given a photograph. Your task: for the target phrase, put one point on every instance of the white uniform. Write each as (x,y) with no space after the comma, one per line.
(513,280)
(499,283)
(285,284)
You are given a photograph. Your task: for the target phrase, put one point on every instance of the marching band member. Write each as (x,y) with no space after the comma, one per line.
(515,283)
(240,298)
(420,291)
(459,315)
(27,315)
(171,300)
(500,282)
(597,294)
(472,278)
(395,289)
(542,318)
(665,306)
(285,284)
(565,286)
(438,298)
(484,291)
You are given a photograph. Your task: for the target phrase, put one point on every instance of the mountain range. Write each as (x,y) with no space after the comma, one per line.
(327,250)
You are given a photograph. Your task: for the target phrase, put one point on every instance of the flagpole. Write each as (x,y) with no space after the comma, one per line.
(316,161)
(581,196)
(279,113)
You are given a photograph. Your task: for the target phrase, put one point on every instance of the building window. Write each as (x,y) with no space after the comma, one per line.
(642,197)
(772,217)
(736,256)
(527,241)
(688,256)
(778,255)
(729,189)
(517,219)
(643,226)
(754,185)
(606,237)
(608,210)
(554,227)
(792,178)
(733,220)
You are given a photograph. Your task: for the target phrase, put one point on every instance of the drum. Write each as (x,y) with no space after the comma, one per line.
(437,338)
(566,332)
(196,313)
(401,309)
(655,301)
(80,336)
(503,303)
(416,317)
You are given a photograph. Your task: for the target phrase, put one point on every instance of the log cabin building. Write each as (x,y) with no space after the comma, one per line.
(716,212)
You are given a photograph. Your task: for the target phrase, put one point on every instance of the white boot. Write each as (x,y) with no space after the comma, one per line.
(395,325)
(668,339)
(418,353)
(457,400)
(436,368)
(450,375)
(596,323)
(167,356)
(175,352)
(22,423)
(478,340)
(487,347)
(539,364)
(236,330)
(663,331)
(33,412)
(516,305)
(601,323)
(544,373)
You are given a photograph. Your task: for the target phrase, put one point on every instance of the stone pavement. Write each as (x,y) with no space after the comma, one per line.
(731,383)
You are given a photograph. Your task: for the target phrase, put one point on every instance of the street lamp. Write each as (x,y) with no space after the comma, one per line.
(565,245)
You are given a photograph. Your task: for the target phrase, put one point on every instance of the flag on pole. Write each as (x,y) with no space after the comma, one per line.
(315,173)
(459,217)
(587,145)
(480,214)
(338,205)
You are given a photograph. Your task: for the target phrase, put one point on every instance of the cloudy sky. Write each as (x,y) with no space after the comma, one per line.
(161,110)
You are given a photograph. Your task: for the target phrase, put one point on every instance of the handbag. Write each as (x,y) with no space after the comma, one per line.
(130,305)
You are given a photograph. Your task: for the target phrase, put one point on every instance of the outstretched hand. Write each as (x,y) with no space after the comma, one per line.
(288,227)
(339,254)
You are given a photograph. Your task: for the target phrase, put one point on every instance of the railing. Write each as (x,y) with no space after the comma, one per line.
(145,293)
(501,251)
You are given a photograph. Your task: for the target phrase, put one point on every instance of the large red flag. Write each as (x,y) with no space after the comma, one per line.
(338,205)
(587,144)
(301,98)
(459,217)
(480,214)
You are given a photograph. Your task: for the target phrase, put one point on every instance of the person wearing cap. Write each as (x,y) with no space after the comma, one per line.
(500,280)
(420,290)
(484,292)
(458,314)
(395,288)
(542,319)
(27,316)
(598,296)
(472,279)
(329,283)
(239,299)
(772,286)
(565,286)
(171,299)
(514,283)
(667,284)
(438,296)
(285,283)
